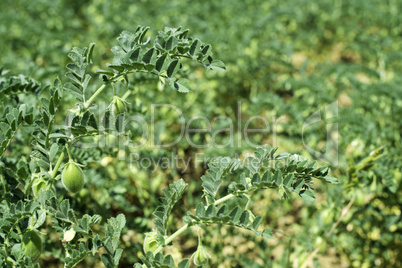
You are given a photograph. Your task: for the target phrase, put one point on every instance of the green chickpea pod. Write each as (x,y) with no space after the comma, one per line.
(72,177)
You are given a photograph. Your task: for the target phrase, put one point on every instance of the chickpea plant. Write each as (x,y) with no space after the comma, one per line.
(32,182)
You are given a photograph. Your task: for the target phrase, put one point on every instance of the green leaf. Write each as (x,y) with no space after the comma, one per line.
(206,50)
(184,264)
(244,218)
(235,214)
(76,70)
(141,32)
(267,233)
(173,67)
(117,256)
(85,83)
(90,53)
(100,71)
(194,48)
(211,211)
(92,122)
(182,85)
(96,243)
(149,56)
(168,260)
(76,256)
(298,186)
(163,211)
(113,232)
(5,128)
(200,210)
(257,222)
(138,65)
(107,120)
(38,218)
(135,55)
(51,107)
(116,67)
(53,151)
(307,195)
(216,65)
(331,180)
(149,67)
(171,43)
(278,177)
(74,78)
(73,90)
(107,260)
(288,180)
(160,64)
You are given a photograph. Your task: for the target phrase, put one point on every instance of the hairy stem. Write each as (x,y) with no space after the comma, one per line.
(97,92)
(114,79)
(224,199)
(186,226)
(176,234)
(56,168)
(68,152)
(114,89)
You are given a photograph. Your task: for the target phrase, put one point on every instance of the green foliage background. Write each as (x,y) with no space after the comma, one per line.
(284,59)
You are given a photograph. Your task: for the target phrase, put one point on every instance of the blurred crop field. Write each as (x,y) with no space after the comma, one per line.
(322,79)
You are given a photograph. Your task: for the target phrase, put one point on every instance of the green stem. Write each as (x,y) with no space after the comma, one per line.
(199,237)
(97,92)
(114,90)
(170,238)
(68,152)
(114,79)
(207,201)
(56,168)
(224,199)
(19,231)
(176,234)
(67,255)
(186,226)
